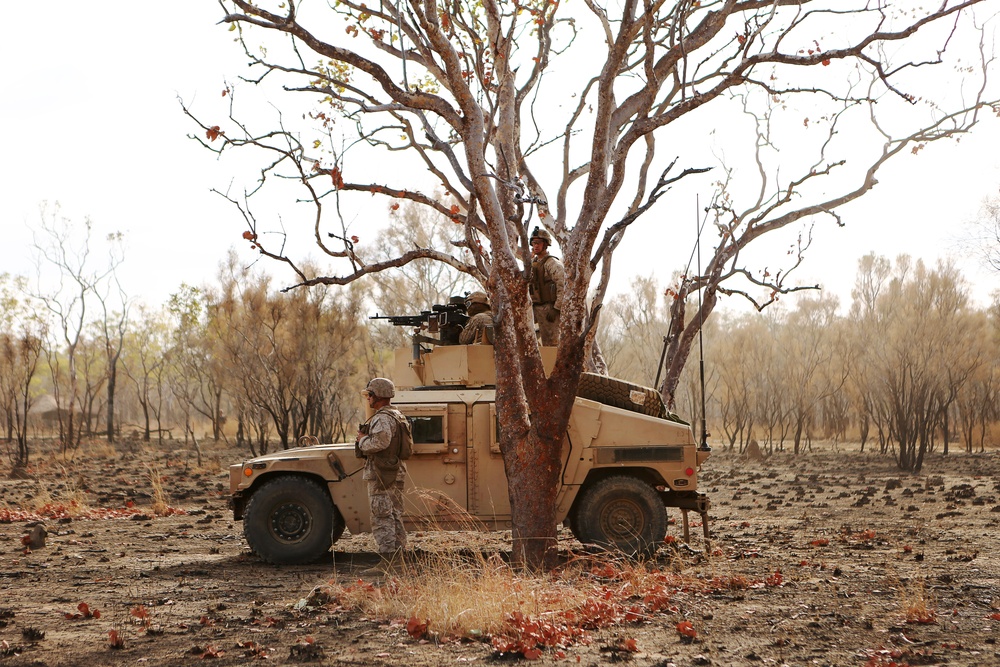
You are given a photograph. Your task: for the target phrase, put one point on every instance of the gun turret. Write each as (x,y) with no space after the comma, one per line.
(446,320)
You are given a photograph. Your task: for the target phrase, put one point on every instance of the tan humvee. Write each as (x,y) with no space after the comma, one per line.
(625,460)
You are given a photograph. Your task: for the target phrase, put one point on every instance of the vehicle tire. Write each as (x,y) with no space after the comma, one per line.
(290,521)
(622,513)
(621,394)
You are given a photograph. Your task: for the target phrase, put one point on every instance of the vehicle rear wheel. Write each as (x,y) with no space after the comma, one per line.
(622,513)
(290,521)
(621,394)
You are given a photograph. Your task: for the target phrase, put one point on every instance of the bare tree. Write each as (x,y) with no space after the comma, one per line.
(293,356)
(459,89)
(808,346)
(67,302)
(912,339)
(21,339)
(983,238)
(114,325)
(144,346)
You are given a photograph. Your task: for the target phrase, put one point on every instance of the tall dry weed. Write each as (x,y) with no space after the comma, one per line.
(917,604)
(160,504)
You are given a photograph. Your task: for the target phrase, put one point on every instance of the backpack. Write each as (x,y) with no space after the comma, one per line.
(405,437)
(405,434)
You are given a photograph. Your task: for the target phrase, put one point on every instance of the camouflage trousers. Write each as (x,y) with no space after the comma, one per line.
(547,318)
(387,516)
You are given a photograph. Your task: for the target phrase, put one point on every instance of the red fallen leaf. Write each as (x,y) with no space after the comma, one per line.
(205,620)
(214,133)
(686,629)
(995,617)
(823,542)
(775,579)
(629,645)
(532,653)
(416,628)
(212,652)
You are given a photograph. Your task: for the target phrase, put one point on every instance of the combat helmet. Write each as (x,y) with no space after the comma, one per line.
(477,297)
(542,235)
(381,388)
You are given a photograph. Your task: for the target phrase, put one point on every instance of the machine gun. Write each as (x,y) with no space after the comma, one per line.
(447,320)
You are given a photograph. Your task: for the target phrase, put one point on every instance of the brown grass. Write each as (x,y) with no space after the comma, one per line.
(160,504)
(917,605)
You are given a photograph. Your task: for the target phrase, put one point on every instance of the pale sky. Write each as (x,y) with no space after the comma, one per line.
(88,105)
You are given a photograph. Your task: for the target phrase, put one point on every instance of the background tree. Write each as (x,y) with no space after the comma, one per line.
(295,356)
(65,285)
(21,339)
(458,87)
(144,347)
(807,347)
(912,340)
(113,327)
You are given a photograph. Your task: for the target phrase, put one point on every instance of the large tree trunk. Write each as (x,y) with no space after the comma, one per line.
(532,432)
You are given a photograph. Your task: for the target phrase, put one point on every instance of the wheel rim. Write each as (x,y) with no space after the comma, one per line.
(622,520)
(290,522)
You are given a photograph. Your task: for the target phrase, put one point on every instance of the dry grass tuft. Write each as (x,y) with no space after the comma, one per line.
(160,504)
(917,605)
(69,501)
(469,593)
(465,595)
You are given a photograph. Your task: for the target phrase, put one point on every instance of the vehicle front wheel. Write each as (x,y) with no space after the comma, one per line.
(622,513)
(290,521)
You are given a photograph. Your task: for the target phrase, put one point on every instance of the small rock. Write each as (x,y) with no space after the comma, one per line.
(35,538)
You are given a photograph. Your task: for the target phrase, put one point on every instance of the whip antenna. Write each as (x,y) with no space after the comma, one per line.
(701,326)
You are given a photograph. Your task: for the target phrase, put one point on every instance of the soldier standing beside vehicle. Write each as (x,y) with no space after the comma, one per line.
(476,330)
(380,442)
(547,275)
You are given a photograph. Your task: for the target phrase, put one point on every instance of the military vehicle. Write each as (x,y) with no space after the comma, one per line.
(626,459)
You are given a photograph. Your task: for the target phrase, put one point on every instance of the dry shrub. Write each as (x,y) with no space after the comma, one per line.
(917,605)
(160,504)
(464,595)
(70,501)
(470,593)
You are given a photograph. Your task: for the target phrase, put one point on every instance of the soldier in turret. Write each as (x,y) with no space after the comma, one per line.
(477,329)
(547,275)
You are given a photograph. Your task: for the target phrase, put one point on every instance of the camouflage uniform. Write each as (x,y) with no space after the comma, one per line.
(475,329)
(547,275)
(385,474)
(477,305)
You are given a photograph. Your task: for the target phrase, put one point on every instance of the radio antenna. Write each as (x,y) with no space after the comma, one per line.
(701,327)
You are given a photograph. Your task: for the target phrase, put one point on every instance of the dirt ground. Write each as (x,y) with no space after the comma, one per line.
(846,561)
